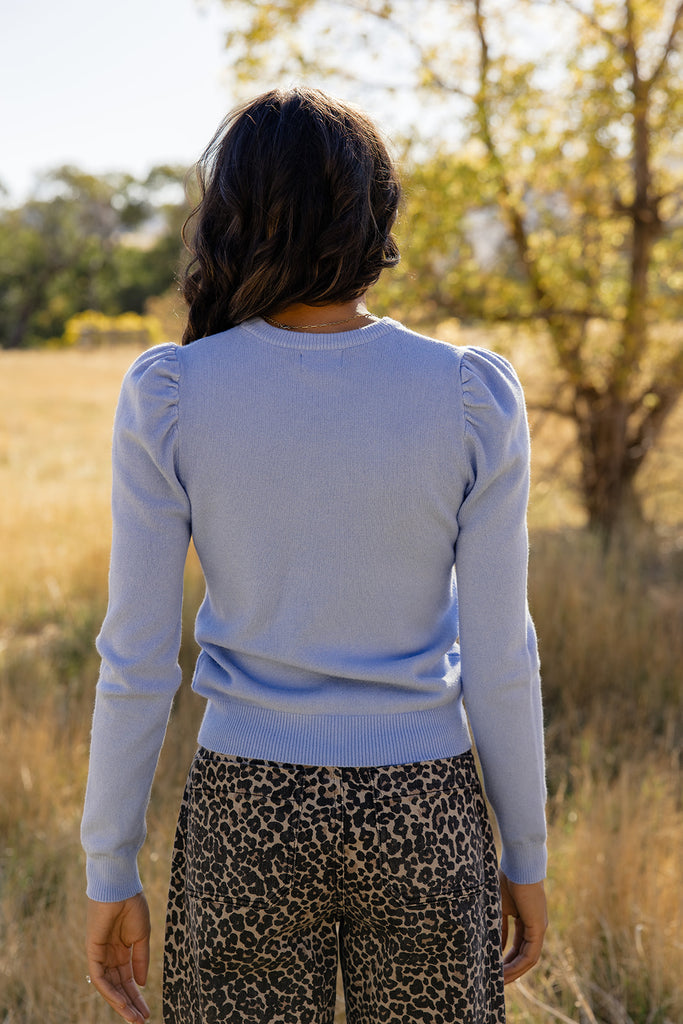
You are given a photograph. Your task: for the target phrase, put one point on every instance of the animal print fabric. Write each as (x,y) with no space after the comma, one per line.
(278,869)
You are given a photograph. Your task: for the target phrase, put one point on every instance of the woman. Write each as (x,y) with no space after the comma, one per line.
(336,471)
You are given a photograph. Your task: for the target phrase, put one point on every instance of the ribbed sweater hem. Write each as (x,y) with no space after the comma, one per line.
(247,730)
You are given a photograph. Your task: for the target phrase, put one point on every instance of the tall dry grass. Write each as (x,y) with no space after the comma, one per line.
(612,650)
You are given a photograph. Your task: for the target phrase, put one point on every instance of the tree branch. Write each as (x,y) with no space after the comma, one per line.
(653,421)
(669,47)
(631,53)
(587,16)
(510,209)
(666,390)
(567,343)
(384,15)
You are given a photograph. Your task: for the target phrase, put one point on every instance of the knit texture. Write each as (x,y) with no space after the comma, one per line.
(358,504)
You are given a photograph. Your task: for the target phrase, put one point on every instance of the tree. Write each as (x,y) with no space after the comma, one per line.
(70,248)
(569,142)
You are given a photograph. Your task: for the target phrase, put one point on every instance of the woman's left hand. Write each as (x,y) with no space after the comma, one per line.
(526,904)
(117,948)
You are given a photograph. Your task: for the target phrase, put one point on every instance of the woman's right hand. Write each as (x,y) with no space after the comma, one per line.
(527,905)
(117,947)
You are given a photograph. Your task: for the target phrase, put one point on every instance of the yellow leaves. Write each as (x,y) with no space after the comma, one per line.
(541,240)
(674,281)
(95,330)
(614,233)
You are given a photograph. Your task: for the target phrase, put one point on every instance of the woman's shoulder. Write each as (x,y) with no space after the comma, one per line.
(150,386)
(489,380)
(154,363)
(476,362)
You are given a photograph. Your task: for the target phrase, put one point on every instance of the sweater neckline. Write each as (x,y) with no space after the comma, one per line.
(309,340)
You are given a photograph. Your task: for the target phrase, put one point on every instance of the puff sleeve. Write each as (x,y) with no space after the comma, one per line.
(140,637)
(498,650)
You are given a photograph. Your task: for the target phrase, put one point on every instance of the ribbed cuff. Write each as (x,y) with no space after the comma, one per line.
(524,864)
(111,879)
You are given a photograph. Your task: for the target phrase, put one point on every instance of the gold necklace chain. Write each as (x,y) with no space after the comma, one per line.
(308,327)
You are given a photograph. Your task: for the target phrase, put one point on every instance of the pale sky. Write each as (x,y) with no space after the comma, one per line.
(122,85)
(115,85)
(119,85)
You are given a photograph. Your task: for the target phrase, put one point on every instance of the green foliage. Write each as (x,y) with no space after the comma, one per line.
(455,258)
(83,242)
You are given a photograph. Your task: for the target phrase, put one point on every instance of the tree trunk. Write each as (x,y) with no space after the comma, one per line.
(616,429)
(608,462)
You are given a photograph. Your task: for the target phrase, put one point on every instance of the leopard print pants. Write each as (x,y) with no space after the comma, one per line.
(278,868)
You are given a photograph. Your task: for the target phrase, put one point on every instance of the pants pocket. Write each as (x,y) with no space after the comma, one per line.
(431,844)
(242,829)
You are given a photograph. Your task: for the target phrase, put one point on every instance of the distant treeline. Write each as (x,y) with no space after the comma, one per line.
(82,242)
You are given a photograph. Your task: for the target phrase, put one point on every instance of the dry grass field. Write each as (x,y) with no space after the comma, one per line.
(611,634)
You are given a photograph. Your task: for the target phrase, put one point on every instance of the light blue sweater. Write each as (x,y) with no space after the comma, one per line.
(329,482)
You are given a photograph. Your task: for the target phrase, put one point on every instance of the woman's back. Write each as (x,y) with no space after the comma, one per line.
(327,481)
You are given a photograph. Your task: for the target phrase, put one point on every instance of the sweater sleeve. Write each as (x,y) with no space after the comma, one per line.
(140,637)
(499,659)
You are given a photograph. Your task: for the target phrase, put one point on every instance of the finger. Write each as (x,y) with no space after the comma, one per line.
(507,903)
(526,959)
(140,961)
(123,980)
(517,939)
(524,955)
(119,1001)
(135,998)
(118,988)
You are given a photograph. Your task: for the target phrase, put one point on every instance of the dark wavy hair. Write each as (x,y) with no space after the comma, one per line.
(298,198)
